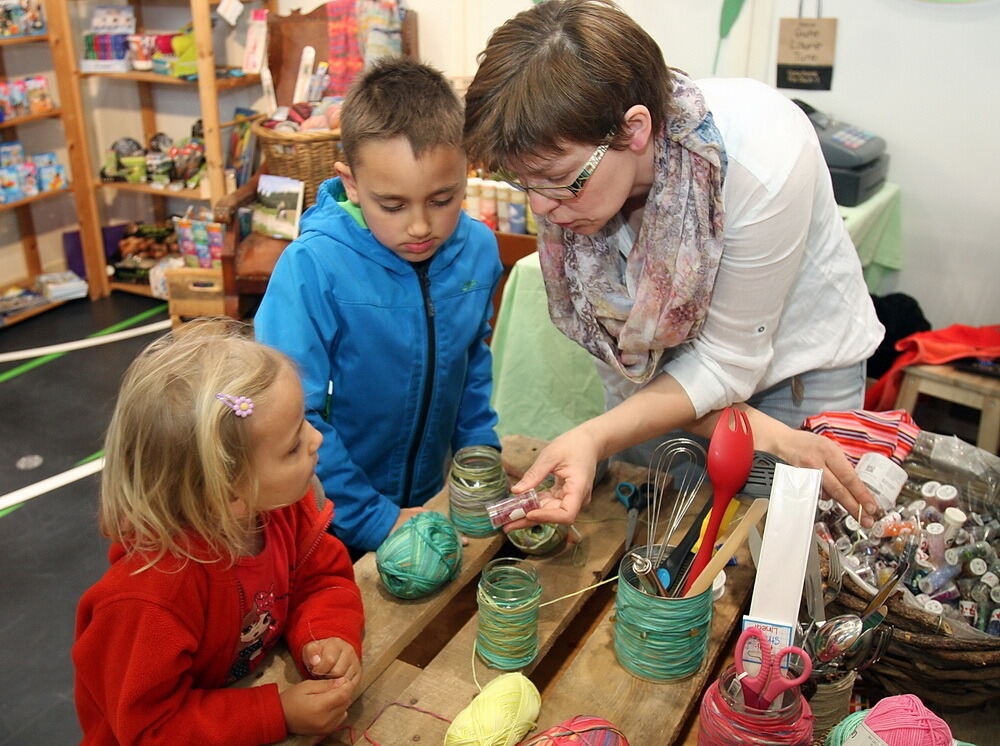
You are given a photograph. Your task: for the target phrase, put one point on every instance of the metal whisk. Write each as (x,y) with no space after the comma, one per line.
(676,452)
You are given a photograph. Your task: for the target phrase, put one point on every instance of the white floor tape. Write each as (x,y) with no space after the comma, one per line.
(47,485)
(6,357)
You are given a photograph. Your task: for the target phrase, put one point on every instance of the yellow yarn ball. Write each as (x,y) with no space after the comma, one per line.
(502,714)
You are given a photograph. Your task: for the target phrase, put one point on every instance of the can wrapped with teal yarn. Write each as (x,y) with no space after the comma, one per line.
(476,478)
(420,556)
(659,639)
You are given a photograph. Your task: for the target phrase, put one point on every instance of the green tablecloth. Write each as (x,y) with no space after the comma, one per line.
(874,226)
(545,384)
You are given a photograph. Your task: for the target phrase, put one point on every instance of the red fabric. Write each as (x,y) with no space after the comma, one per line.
(934,347)
(154,650)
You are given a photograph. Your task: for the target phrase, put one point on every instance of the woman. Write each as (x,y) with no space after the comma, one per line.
(688,238)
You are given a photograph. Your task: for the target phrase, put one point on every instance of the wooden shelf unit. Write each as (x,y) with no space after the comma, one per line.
(78,171)
(208,86)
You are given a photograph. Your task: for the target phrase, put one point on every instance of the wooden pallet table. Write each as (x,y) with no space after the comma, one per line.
(575,669)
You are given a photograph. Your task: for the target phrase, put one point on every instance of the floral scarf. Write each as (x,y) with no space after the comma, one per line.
(672,264)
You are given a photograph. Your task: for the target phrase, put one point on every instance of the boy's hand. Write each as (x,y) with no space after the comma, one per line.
(332,658)
(406,514)
(316,708)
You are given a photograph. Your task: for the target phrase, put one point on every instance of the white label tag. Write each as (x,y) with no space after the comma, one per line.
(864,736)
(778,635)
(230,10)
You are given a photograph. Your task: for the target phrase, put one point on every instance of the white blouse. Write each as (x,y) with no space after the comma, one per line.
(789,296)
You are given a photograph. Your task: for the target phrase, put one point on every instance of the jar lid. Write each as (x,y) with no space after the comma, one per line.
(946,492)
(934,529)
(954,516)
(934,607)
(929,489)
(952,557)
(977,566)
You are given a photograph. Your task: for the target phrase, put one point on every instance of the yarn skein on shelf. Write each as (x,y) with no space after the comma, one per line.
(583,730)
(902,720)
(502,714)
(420,556)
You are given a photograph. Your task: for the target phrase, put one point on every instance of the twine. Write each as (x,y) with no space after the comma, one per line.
(508,597)
(420,556)
(659,639)
(830,704)
(476,479)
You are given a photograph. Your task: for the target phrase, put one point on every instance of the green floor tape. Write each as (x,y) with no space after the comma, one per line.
(32,364)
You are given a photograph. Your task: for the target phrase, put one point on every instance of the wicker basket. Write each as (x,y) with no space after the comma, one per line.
(306,156)
(925,658)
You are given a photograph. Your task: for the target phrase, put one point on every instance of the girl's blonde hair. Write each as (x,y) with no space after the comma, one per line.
(174,451)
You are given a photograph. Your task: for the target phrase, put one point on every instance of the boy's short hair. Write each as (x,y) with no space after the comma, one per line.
(563,71)
(173,451)
(400,97)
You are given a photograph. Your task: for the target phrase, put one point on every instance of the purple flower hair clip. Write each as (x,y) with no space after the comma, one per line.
(242,406)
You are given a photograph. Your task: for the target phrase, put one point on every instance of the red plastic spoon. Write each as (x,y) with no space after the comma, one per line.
(730,456)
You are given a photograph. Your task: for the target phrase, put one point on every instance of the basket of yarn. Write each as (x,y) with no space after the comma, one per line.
(902,720)
(420,556)
(925,656)
(583,730)
(307,155)
(502,714)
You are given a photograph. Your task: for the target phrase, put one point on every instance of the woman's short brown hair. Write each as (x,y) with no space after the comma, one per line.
(563,71)
(400,97)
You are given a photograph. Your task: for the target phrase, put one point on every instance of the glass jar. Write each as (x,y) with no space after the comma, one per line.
(508,597)
(476,478)
(727,721)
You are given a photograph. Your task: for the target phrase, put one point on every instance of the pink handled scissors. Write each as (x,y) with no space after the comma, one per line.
(761,690)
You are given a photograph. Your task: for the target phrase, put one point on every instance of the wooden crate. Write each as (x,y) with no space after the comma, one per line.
(575,670)
(194,292)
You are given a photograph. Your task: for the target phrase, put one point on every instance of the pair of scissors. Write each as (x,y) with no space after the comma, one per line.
(769,683)
(633,499)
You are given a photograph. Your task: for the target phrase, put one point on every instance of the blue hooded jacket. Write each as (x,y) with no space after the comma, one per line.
(405,355)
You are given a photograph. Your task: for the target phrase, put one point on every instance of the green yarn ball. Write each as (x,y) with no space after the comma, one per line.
(540,539)
(420,556)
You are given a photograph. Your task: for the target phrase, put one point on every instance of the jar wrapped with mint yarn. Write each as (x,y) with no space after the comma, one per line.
(420,556)
(476,479)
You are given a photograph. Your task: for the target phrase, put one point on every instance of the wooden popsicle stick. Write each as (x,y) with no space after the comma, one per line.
(754,513)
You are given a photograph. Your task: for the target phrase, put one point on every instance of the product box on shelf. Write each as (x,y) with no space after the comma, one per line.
(21,18)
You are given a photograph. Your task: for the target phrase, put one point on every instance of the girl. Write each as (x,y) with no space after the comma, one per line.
(219,550)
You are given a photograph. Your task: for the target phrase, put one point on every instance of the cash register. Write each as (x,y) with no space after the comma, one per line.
(856,158)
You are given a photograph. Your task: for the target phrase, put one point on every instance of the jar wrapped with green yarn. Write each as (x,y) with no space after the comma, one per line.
(476,478)
(420,556)
(544,538)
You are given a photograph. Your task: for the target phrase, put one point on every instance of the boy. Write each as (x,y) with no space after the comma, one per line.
(384,301)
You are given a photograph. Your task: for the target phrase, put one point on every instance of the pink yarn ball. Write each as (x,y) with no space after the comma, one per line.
(314,123)
(583,730)
(903,720)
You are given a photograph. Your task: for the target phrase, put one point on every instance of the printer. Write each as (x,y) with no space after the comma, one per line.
(856,158)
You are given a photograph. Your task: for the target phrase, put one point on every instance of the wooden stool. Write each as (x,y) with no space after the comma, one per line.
(968,389)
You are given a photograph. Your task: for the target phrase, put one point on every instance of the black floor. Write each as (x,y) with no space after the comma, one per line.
(51,550)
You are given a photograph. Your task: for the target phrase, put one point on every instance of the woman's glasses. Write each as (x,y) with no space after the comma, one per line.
(567,191)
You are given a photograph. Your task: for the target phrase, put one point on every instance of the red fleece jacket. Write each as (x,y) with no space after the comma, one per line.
(155,650)
(935,347)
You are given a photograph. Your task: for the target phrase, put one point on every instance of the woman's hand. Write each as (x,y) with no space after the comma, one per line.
(840,481)
(572,458)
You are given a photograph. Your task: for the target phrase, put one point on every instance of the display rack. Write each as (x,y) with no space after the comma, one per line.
(79,174)
(208,87)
